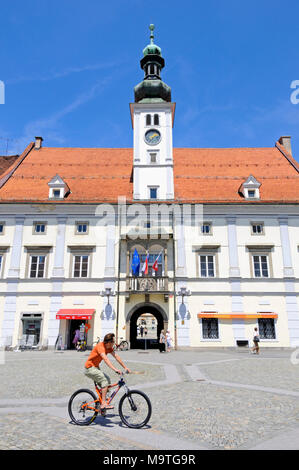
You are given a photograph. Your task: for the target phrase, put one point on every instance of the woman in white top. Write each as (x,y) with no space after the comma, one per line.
(256,340)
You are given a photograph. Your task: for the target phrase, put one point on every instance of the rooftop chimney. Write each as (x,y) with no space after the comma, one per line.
(286,142)
(38,143)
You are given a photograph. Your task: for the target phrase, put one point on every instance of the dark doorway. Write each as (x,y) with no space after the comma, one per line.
(74,325)
(137,342)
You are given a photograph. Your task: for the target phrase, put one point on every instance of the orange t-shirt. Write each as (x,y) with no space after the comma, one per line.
(95,358)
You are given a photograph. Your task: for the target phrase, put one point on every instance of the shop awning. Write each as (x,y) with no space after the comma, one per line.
(75,314)
(233,316)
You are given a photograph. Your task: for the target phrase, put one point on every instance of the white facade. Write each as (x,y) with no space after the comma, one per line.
(233,289)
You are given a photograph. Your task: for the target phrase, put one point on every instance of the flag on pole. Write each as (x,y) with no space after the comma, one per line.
(155,265)
(135,263)
(145,264)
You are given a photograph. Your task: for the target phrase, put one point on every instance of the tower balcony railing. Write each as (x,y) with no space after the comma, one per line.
(147,284)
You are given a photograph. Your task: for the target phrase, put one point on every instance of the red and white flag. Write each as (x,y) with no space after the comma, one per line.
(145,264)
(155,265)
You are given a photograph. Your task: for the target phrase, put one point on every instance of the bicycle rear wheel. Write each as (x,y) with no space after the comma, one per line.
(124,346)
(135,409)
(80,407)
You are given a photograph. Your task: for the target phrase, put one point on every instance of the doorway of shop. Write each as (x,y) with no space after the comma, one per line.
(74,325)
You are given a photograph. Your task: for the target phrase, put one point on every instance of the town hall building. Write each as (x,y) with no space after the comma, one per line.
(205,241)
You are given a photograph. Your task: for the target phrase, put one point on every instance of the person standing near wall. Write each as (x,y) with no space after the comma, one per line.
(256,340)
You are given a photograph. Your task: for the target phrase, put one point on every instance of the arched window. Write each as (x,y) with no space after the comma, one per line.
(148,120)
(156,119)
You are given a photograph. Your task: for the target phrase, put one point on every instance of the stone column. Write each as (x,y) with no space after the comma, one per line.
(58,276)
(288,272)
(10,305)
(238,325)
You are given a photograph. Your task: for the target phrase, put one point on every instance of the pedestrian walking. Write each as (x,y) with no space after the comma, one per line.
(256,340)
(168,341)
(76,337)
(162,342)
(145,331)
(141,331)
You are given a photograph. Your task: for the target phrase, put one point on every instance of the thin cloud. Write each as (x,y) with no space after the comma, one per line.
(46,126)
(63,73)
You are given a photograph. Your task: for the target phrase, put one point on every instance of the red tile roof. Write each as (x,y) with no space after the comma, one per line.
(200,175)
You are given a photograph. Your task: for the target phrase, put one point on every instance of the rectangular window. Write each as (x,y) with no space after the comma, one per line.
(1,229)
(206,228)
(153,193)
(1,263)
(260,265)
(251,192)
(153,157)
(257,229)
(210,328)
(80,266)
(266,328)
(37,266)
(56,193)
(39,228)
(207,268)
(82,227)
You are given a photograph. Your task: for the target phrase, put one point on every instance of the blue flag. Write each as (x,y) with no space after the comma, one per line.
(135,263)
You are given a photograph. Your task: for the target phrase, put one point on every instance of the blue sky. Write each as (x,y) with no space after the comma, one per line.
(70,67)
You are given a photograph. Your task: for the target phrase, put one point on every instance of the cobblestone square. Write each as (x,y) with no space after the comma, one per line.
(213,400)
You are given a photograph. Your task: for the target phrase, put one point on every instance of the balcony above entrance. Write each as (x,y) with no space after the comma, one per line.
(150,284)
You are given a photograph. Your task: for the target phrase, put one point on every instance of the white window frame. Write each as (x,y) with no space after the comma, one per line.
(83,232)
(206,255)
(37,266)
(81,262)
(206,224)
(260,265)
(256,224)
(36,224)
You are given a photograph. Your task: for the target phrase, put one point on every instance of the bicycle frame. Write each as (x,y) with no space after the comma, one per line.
(121,383)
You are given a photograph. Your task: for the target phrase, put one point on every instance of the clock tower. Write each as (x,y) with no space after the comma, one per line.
(152,119)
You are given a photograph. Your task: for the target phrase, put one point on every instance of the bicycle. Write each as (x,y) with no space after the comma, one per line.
(81,345)
(134,407)
(122,346)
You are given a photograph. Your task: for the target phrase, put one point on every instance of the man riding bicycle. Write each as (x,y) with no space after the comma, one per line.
(92,365)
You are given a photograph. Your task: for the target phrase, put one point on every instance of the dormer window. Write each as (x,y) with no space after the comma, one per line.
(56,193)
(250,188)
(58,188)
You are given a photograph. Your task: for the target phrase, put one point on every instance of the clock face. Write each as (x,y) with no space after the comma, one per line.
(152,137)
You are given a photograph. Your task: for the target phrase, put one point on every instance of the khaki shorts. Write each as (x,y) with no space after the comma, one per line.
(98,376)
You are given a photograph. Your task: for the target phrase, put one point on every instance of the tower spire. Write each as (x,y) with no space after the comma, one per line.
(152,88)
(152,27)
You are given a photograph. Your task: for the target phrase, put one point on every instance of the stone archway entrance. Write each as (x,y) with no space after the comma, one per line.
(133,318)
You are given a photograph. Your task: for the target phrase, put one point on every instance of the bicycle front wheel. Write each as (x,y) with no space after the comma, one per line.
(82,407)
(135,409)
